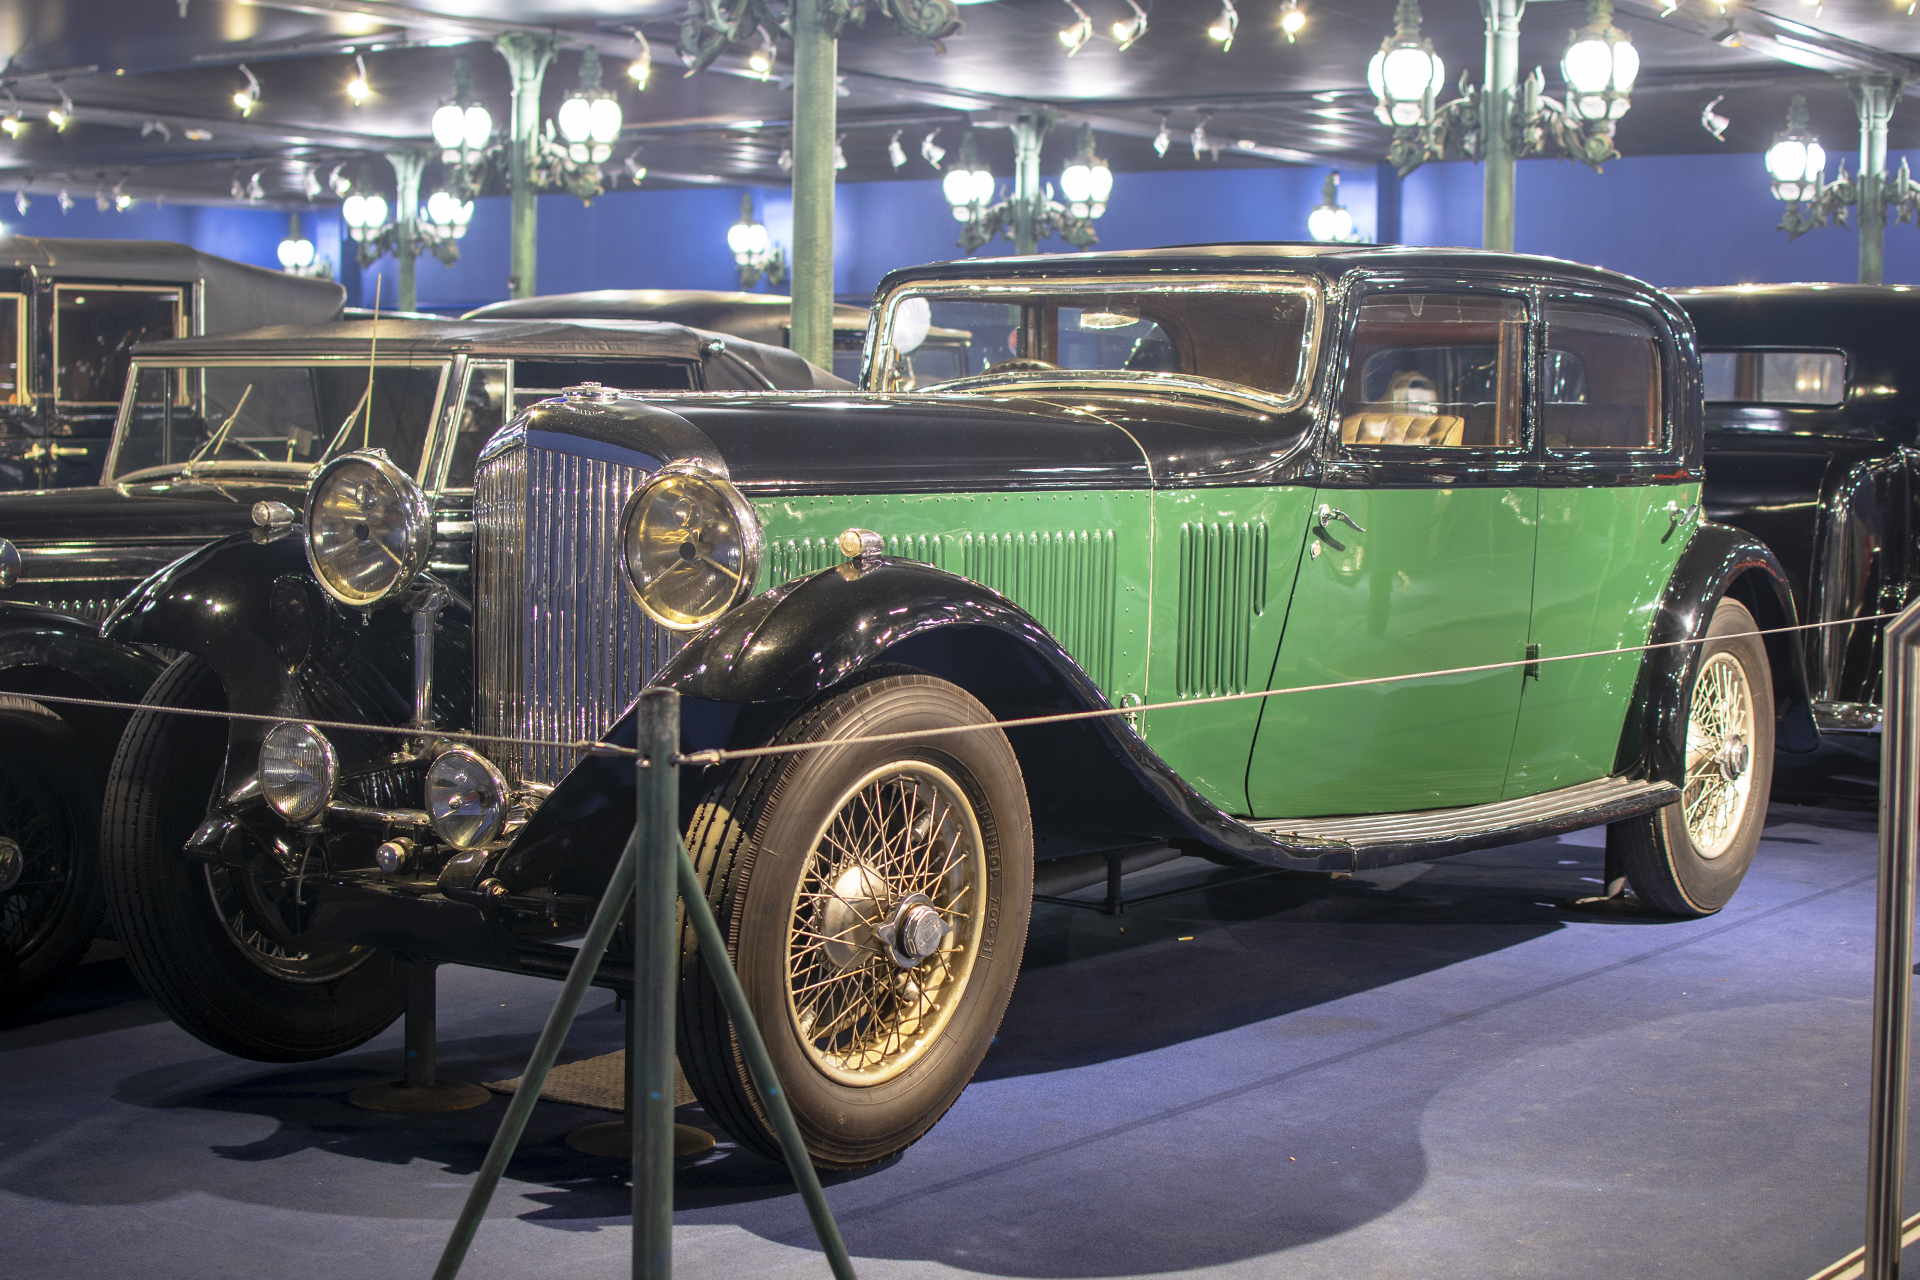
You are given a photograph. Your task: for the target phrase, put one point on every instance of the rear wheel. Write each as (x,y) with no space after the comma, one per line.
(1688,858)
(207,943)
(875,897)
(50,903)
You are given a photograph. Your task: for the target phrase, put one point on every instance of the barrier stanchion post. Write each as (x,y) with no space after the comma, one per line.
(655,970)
(1893,947)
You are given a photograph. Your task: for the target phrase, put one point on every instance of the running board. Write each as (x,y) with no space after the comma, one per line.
(1383,839)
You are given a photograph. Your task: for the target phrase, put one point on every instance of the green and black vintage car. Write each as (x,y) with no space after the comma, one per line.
(1191,474)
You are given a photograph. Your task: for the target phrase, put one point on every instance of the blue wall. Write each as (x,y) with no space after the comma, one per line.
(1672,220)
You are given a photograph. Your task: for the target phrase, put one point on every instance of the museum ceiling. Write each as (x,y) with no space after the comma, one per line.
(152,84)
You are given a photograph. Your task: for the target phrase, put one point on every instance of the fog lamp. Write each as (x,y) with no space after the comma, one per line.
(466,797)
(297,769)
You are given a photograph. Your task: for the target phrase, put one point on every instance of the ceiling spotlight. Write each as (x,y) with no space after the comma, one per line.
(64,200)
(121,200)
(786,157)
(357,90)
(61,116)
(1713,122)
(20,202)
(640,70)
(932,152)
(839,152)
(338,180)
(896,154)
(1201,141)
(248,98)
(159,127)
(1127,32)
(1225,25)
(1162,140)
(761,60)
(1292,19)
(199,135)
(1076,36)
(13,125)
(635,170)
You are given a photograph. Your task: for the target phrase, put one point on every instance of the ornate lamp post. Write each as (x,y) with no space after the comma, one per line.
(1797,163)
(753,249)
(296,252)
(1086,183)
(1329,222)
(1029,214)
(590,118)
(1504,118)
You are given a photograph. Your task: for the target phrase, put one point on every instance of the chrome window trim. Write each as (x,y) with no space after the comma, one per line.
(1303,286)
(423,471)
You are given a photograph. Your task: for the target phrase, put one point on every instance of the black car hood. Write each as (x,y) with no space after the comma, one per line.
(905,444)
(170,510)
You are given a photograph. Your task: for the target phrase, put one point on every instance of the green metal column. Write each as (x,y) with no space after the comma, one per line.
(1874,97)
(656,835)
(1502,78)
(815,123)
(527,57)
(1029,131)
(408,164)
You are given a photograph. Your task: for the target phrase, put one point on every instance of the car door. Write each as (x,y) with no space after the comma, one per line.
(1419,557)
(1612,525)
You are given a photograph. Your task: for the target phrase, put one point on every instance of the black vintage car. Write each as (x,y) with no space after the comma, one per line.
(1812,403)
(70,314)
(763,317)
(214,435)
(1199,477)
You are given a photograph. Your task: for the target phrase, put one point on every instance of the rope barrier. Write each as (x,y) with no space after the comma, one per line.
(589,746)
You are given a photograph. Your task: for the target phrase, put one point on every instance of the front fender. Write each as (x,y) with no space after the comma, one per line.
(48,653)
(249,607)
(1719,561)
(812,635)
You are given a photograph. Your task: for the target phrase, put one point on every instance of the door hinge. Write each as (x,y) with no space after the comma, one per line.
(1532,670)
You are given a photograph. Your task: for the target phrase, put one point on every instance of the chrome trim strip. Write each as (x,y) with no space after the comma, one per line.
(1846,717)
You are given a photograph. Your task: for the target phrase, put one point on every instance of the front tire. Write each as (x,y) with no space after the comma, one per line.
(875,899)
(50,903)
(197,936)
(1688,858)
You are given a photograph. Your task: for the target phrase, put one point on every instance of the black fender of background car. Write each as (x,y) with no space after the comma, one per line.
(249,607)
(44,652)
(744,675)
(1719,561)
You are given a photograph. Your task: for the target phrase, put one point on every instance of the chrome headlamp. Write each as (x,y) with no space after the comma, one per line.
(369,528)
(466,797)
(691,546)
(297,770)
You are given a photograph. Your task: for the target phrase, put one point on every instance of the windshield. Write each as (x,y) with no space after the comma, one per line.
(286,415)
(1252,336)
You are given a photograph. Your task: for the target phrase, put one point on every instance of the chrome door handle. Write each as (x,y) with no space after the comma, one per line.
(1327,515)
(1678,515)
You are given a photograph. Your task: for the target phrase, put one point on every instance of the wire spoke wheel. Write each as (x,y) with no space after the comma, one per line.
(241,900)
(884,930)
(36,852)
(1719,754)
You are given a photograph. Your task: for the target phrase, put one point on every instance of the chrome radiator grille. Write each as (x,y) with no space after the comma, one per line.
(560,648)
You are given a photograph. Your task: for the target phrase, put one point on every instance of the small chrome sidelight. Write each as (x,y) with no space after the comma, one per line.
(298,769)
(467,798)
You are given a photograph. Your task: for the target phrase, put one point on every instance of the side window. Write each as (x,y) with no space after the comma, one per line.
(480,411)
(94,329)
(13,348)
(1601,382)
(1775,377)
(1437,371)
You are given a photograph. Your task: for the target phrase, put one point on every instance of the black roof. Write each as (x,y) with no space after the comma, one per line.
(1803,315)
(760,317)
(237,294)
(1325,259)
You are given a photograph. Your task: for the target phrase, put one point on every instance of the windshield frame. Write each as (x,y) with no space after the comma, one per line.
(429,449)
(1014,290)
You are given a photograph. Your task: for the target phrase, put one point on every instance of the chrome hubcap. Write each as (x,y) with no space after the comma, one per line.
(13,861)
(1719,755)
(886,922)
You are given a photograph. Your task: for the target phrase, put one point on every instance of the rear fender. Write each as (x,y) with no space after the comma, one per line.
(744,675)
(249,607)
(1718,562)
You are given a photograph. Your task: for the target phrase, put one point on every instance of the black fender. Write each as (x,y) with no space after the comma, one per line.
(249,607)
(815,634)
(1719,561)
(48,653)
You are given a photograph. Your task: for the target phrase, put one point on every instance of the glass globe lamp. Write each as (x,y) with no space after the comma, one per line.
(1599,66)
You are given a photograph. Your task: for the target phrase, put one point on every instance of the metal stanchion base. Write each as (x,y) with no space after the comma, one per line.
(397,1095)
(614,1139)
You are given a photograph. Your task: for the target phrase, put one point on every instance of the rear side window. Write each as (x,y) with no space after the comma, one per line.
(1775,377)
(94,329)
(1601,382)
(1436,370)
